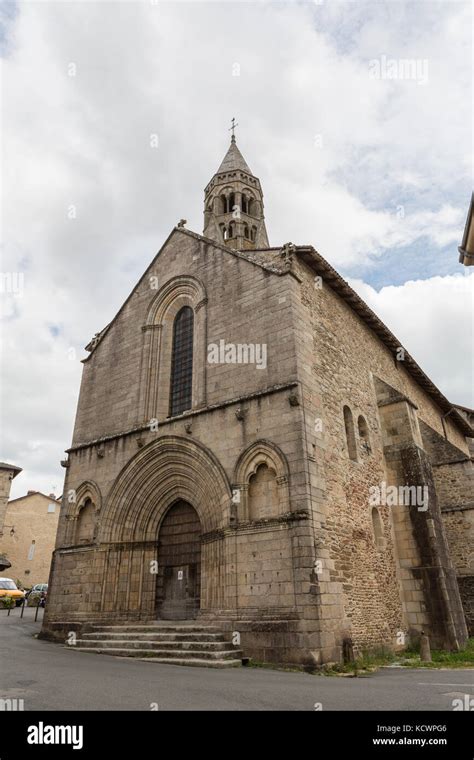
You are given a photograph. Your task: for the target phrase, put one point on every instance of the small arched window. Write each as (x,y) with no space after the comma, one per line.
(245,205)
(231,202)
(377,526)
(231,230)
(350,434)
(246,231)
(182,362)
(363,429)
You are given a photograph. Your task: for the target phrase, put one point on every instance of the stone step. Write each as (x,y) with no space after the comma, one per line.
(158,627)
(197,663)
(162,654)
(216,646)
(152,636)
(178,644)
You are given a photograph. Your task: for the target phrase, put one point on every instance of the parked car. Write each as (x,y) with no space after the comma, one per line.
(9,590)
(37,595)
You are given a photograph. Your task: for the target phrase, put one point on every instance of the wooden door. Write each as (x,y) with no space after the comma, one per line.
(179,563)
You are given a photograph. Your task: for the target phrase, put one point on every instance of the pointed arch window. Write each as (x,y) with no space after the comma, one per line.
(182,362)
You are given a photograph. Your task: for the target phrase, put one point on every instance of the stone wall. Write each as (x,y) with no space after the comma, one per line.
(6,477)
(339,361)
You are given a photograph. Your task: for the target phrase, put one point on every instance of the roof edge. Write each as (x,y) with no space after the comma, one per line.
(36,493)
(342,287)
(91,346)
(6,466)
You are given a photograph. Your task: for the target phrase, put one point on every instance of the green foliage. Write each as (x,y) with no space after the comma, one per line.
(7,602)
(368,662)
(441,658)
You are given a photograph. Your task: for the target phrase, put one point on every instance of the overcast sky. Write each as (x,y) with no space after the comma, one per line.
(375,172)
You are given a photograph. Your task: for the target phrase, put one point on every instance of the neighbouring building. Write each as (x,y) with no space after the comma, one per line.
(7,473)
(29,536)
(255,449)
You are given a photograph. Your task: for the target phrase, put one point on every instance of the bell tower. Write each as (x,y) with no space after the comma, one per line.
(233,204)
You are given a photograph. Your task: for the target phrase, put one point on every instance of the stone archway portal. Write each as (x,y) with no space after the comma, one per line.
(178,588)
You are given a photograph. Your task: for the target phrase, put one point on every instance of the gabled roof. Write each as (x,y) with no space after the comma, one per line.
(233,160)
(92,345)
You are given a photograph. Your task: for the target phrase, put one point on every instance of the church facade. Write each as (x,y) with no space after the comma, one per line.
(254,449)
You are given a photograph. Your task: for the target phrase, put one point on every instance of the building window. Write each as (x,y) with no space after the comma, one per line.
(363,429)
(377,526)
(31,551)
(253,234)
(245,207)
(350,434)
(246,231)
(52,508)
(182,362)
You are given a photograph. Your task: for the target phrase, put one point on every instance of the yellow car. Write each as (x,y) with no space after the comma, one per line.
(8,589)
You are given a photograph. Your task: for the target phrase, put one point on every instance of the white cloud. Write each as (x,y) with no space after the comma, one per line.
(83,141)
(433,319)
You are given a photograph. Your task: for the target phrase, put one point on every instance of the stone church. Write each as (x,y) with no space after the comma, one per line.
(254,450)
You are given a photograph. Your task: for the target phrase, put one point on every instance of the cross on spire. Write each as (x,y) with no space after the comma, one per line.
(232,129)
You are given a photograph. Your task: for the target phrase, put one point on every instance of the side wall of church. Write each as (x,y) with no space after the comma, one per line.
(368,585)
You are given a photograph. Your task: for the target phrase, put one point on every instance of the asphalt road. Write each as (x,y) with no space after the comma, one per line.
(48,676)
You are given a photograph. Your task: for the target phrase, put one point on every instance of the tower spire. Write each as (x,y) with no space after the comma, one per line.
(233,203)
